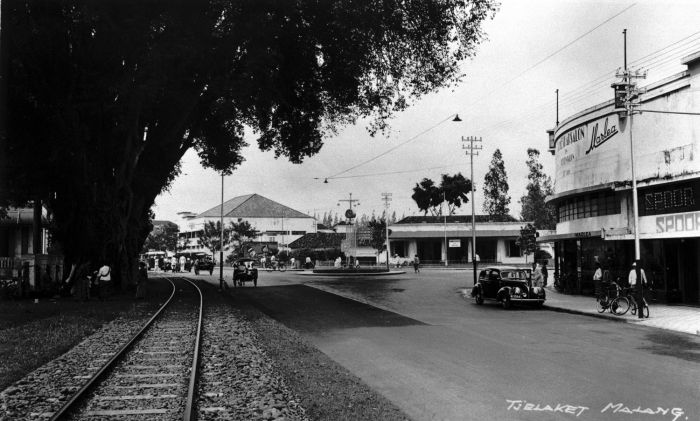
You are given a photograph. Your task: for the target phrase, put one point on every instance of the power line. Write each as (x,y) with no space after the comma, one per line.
(395,172)
(391,149)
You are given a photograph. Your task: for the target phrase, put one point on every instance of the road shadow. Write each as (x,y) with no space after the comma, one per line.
(307,309)
(673,345)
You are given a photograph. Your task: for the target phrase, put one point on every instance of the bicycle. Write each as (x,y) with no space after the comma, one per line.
(616,302)
(279,266)
(634,305)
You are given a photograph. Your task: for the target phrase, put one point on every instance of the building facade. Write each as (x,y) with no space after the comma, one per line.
(436,238)
(276,224)
(593,190)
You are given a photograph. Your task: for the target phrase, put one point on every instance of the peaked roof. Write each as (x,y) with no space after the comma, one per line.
(452,219)
(253,206)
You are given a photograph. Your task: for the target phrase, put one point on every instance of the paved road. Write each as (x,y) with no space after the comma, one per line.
(440,357)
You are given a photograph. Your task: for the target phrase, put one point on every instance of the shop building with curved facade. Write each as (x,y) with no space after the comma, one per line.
(593,190)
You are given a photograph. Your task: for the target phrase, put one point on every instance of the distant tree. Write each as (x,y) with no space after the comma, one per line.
(496,198)
(453,190)
(393,218)
(161,238)
(527,241)
(378,234)
(240,235)
(210,236)
(539,186)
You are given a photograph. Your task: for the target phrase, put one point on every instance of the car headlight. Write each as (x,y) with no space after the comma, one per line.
(517,291)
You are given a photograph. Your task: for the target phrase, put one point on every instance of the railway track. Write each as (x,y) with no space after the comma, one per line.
(154,375)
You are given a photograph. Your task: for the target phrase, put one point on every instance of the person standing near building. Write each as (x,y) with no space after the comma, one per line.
(537,276)
(142,281)
(416,264)
(638,286)
(598,278)
(545,273)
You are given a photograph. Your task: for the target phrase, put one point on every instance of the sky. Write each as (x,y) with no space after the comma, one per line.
(506,98)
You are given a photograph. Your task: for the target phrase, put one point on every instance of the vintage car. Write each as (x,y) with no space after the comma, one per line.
(507,285)
(204,264)
(244,270)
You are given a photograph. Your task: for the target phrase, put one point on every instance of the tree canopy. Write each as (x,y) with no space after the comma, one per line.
(453,190)
(496,198)
(539,186)
(162,237)
(104,98)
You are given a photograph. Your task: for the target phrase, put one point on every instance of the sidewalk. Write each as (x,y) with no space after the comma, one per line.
(678,318)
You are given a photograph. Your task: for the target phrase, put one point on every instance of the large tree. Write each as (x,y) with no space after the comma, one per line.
(241,234)
(105,97)
(496,197)
(539,186)
(453,190)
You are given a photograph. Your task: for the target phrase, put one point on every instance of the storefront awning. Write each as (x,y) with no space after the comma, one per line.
(570,236)
(453,234)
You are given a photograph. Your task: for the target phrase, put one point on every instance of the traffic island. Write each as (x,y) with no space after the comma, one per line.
(364,271)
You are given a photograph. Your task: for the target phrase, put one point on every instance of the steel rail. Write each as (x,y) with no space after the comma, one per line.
(71,403)
(190,404)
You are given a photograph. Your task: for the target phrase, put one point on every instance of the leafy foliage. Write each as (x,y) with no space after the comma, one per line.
(240,235)
(161,238)
(496,198)
(453,190)
(539,187)
(114,93)
(210,236)
(378,234)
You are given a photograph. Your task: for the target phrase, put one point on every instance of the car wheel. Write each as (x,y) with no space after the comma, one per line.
(478,298)
(505,302)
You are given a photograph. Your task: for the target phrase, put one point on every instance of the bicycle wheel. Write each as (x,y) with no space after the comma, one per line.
(602,303)
(619,306)
(645,310)
(282,268)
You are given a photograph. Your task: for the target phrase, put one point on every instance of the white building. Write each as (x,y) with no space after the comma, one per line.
(593,189)
(276,223)
(434,238)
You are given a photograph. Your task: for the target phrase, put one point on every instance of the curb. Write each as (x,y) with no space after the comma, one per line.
(352,274)
(585,313)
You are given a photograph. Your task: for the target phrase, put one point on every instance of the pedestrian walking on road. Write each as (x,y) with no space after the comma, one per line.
(104,279)
(416,264)
(142,281)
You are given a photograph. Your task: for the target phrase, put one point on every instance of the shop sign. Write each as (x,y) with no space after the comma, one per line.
(455,243)
(673,198)
(586,234)
(678,223)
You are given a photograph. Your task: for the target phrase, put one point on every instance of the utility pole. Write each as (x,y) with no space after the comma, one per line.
(444,225)
(221,238)
(471,151)
(625,94)
(386,197)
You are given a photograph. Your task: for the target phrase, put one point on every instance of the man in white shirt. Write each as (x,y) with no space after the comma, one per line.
(632,277)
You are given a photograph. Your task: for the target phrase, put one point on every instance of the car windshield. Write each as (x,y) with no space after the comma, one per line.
(514,274)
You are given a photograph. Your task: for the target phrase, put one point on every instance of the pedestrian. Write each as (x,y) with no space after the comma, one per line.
(196,266)
(537,277)
(308,262)
(545,273)
(632,277)
(104,278)
(272,262)
(598,278)
(357,263)
(639,286)
(416,264)
(142,281)
(292,263)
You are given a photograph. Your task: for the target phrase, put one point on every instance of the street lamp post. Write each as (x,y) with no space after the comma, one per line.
(221,237)
(472,150)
